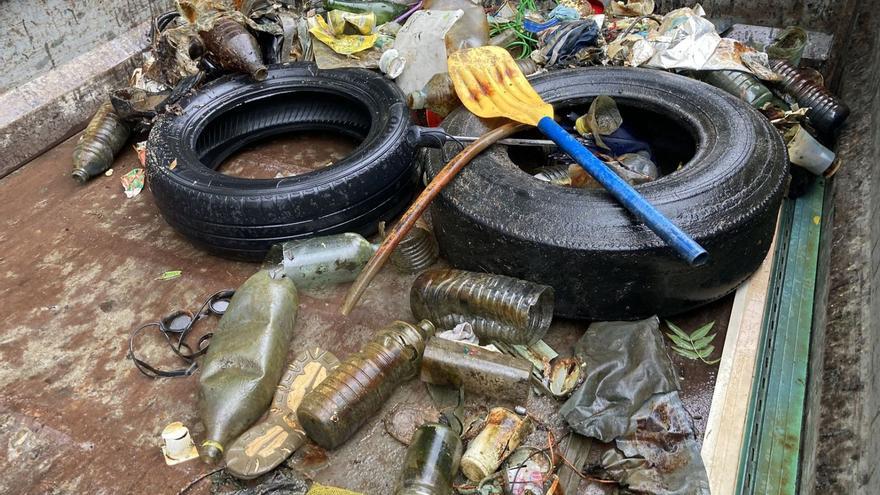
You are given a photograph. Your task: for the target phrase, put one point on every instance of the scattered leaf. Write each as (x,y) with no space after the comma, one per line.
(171,274)
(696,345)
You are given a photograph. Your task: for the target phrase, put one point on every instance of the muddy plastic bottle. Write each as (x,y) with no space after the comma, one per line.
(431,461)
(105,135)
(319,261)
(742,85)
(471,31)
(246,358)
(353,392)
(234,48)
(826,111)
(385,11)
(417,250)
(439,94)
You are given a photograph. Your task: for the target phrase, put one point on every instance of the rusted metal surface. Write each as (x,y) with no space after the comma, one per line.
(77,272)
(477,370)
(500,308)
(356,390)
(504,432)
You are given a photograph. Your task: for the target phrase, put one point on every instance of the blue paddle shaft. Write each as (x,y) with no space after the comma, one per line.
(686,247)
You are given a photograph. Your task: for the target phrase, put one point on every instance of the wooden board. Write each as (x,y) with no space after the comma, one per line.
(723,441)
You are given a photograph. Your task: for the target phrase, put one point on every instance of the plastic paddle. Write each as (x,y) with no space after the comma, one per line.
(489,83)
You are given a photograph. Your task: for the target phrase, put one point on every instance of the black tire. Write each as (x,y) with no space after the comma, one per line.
(243,218)
(603,265)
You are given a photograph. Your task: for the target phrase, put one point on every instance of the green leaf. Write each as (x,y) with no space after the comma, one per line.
(701,343)
(686,353)
(712,361)
(677,330)
(704,353)
(702,331)
(170,275)
(680,342)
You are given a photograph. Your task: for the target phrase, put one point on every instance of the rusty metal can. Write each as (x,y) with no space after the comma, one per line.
(431,461)
(500,308)
(334,410)
(826,111)
(503,433)
(476,369)
(418,250)
(234,48)
(105,135)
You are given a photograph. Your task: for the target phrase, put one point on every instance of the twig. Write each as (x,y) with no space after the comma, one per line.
(200,478)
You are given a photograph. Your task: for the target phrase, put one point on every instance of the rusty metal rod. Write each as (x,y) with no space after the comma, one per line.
(406,222)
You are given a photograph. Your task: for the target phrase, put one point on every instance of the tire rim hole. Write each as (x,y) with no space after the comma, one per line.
(288,155)
(672,141)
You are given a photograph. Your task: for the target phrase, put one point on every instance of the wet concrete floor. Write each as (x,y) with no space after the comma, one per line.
(78,271)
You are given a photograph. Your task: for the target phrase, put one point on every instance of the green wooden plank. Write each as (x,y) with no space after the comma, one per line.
(771,449)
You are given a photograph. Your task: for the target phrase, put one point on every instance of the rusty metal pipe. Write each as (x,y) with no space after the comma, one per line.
(406,222)
(477,370)
(334,410)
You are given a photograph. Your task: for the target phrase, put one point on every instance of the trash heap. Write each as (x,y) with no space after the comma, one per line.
(474,334)
(206,39)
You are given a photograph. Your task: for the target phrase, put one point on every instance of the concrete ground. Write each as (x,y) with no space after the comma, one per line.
(78,271)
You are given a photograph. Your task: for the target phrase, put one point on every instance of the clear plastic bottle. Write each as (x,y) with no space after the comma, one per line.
(324,260)
(439,94)
(471,31)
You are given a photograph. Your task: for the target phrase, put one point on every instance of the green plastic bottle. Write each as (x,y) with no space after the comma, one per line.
(385,11)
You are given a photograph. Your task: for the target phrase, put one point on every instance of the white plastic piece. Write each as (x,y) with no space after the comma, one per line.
(421,41)
(392,64)
(179,446)
(805,151)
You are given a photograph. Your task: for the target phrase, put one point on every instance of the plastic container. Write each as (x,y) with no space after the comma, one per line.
(826,112)
(805,151)
(742,85)
(471,31)
(789,45)
(321,261)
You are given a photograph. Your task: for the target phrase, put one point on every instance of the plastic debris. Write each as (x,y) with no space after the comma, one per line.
(789,45)
(331,32)
(478,370)
(246,359)
(322,261)
(463,332)
(234,48)
(421,41)
(632,8)
(526,471)
(805,151)
(564,375)
(500,308)
(503,433)
(96,149)
(630,397)
(602,119)
(381,11)
(431,461)
(562,44)
(391,63)
(332,412)
(274,438)
(824,110)
(178,444)
(133,182)
(416,251)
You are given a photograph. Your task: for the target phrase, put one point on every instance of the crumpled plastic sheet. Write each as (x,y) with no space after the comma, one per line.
(686,40)
(562,42)
(630,397)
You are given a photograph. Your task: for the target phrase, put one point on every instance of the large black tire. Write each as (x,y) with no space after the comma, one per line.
(243,218)
(604,265)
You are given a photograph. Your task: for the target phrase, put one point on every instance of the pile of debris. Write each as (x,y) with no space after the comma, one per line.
(477,334)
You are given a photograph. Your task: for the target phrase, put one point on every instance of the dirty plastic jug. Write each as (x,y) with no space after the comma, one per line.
(246,358)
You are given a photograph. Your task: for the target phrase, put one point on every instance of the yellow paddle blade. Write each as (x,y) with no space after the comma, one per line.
(489,84)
